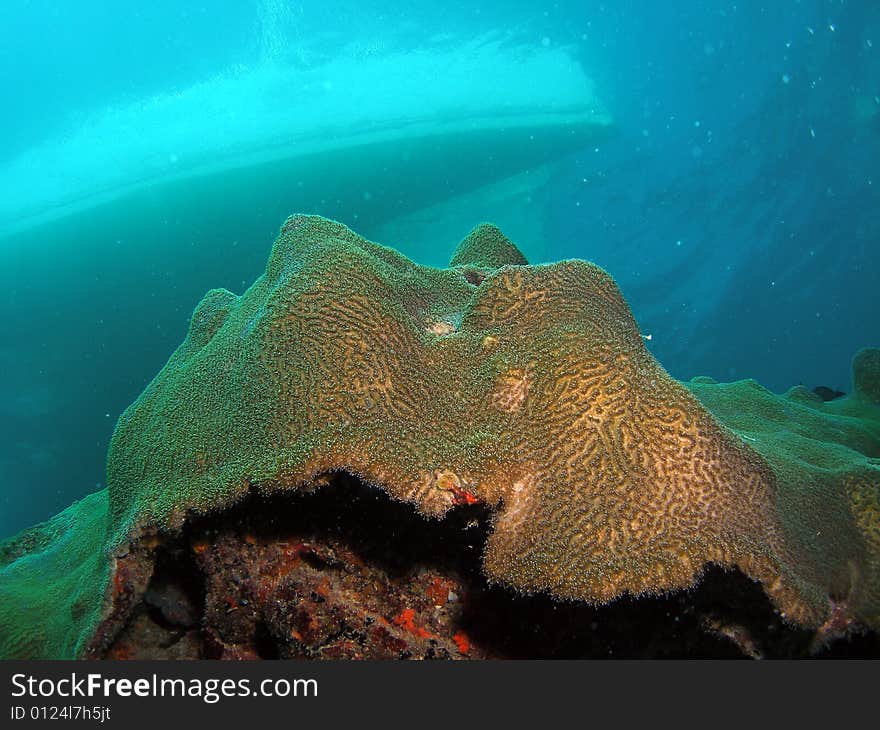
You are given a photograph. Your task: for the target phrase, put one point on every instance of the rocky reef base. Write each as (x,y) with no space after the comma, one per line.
(345,572)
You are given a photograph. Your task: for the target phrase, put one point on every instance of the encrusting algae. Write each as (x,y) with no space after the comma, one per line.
(526,389)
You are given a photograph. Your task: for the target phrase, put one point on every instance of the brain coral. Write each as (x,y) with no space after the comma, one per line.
(527,388)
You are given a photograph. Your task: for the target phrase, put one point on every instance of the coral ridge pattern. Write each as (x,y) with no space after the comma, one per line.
(526,389)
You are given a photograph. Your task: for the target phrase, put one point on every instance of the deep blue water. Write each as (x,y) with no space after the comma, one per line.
(735,197)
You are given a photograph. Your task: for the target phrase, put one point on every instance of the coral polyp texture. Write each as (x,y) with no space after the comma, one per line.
(526,390)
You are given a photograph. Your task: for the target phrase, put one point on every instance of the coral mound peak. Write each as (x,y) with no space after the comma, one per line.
(487,247)
(527,390)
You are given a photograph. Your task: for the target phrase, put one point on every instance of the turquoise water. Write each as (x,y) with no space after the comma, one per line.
(719,159)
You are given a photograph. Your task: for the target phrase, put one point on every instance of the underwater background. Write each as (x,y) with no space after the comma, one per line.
(150,151)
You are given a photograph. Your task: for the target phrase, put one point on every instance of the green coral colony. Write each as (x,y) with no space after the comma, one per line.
(526,388)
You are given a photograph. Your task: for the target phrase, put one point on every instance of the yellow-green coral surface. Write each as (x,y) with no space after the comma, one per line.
(52,583)
(528,388)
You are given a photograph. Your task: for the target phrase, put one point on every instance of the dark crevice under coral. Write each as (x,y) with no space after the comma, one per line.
(346,572)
